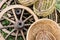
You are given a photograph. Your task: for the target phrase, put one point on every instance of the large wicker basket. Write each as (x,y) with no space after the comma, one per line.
(27,2)
(44,7)
(44,29)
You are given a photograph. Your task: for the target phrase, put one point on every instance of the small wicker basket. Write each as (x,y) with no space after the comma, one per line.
(44,29)
(44,7)
(27,2)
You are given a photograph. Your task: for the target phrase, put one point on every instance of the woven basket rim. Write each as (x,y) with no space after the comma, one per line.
(38,21)
(46,9)
(27,3)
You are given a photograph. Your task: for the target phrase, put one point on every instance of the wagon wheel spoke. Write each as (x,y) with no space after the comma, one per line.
(24,17)
(15,20)
(3,1)
(8,3)
(14,14)
(16,38)
(27,24)
(22,34)
(21,15)
(8,19)
(9,33)
(27,18)
(15,1)
(31,21)
(56,15)
(25,29)
(9,26)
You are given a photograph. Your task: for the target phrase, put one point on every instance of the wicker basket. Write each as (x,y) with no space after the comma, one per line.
(27,2)
(44,29)
(44,7)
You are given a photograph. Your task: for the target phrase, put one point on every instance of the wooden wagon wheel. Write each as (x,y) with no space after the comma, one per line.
(5,3)
(44,7)
(53,16)
(27,2)
(44,29)
(1,37)
(19,23)
(2,2)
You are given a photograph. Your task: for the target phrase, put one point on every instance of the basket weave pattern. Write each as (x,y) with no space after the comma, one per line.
(27,2)
(44,29)
(43,10)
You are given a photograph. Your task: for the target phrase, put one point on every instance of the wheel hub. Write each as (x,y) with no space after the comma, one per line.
(19,25)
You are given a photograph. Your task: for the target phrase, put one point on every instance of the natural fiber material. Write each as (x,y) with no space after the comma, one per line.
(27,2)
(44,29)
(45,35)
(44,7)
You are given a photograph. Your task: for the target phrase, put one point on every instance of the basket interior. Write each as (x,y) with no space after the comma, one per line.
(43,4)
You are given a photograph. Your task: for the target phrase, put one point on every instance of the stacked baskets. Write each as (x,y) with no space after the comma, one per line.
(19,18)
